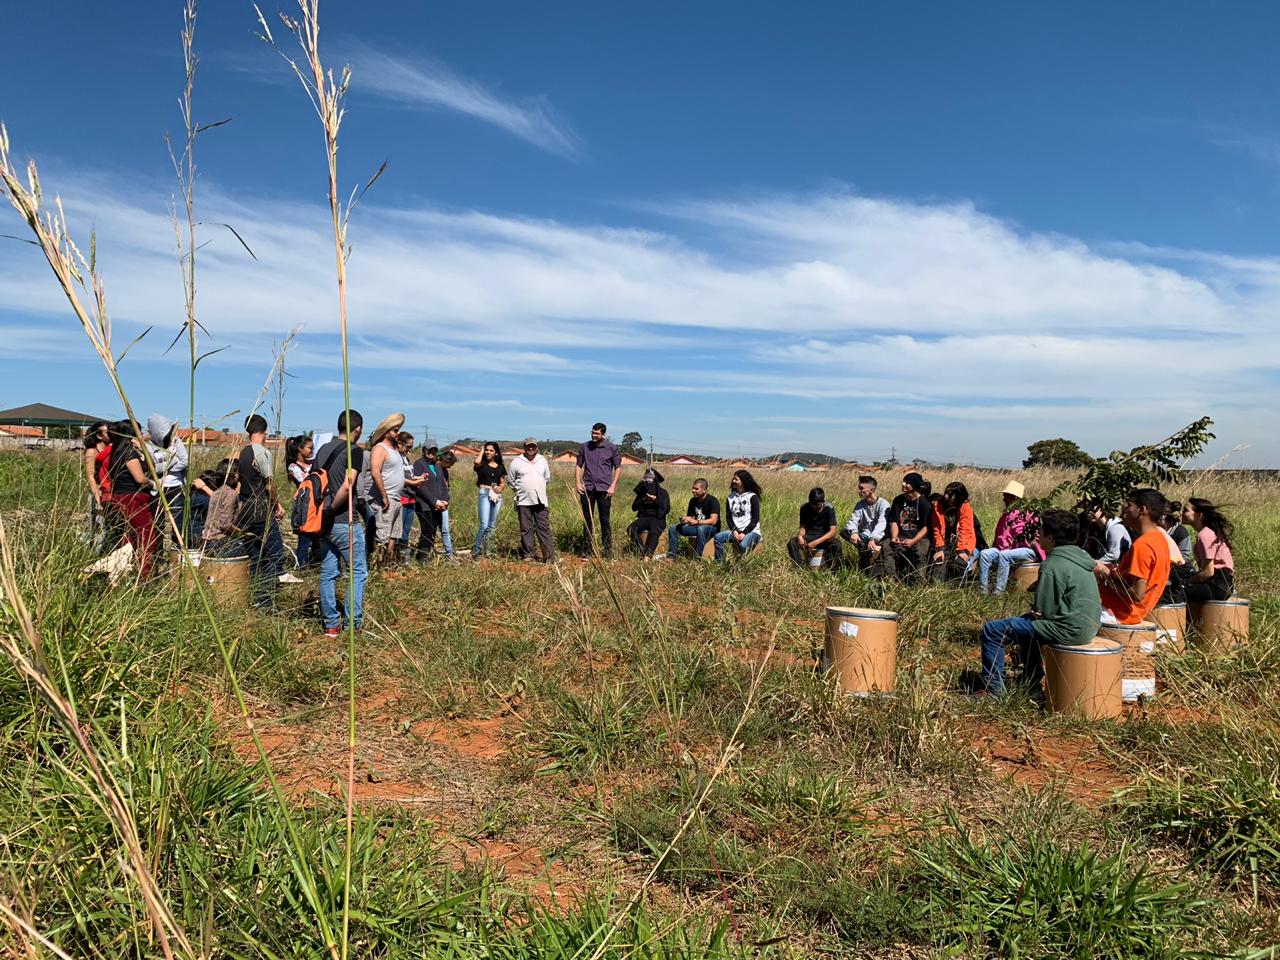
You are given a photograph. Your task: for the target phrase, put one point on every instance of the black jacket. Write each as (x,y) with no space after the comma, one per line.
(644,507)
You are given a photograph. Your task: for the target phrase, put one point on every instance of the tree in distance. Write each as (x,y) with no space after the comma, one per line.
(1057,453)
(631,444)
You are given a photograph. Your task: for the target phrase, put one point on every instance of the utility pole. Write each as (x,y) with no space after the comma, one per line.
(651,449)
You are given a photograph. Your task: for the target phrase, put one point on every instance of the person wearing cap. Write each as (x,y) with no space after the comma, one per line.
(1013,543)
(529,475)
(596,475)
(906,552)
(432,498)
(386,469)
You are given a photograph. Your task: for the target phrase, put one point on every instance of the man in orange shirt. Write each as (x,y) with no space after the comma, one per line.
(1133,587)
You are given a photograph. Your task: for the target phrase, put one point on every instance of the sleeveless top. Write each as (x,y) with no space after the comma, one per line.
(100,461)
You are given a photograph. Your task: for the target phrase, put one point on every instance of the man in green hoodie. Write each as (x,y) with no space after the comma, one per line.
(1066,609)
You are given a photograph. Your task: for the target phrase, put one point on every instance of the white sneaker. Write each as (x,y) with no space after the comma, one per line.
(290,578)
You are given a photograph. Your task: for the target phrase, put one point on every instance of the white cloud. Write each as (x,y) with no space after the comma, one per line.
(431,85)
(934,310)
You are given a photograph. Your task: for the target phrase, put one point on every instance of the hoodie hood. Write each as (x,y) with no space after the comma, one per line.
(1073,554)
(158,428)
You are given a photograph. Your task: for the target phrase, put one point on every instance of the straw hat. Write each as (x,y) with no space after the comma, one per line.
(393,422)
(1014,488)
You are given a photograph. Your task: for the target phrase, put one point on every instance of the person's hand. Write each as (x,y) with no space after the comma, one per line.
(442,505)
(939,555)
(737,536)
(651,496)
(874,546)
(1035,615)
(386,503)
(582,487)
(610,491)
(279,511)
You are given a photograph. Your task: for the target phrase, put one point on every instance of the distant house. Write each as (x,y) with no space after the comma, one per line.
(684,460)
(629,460)
(796,466)
(461,451)
(740,463)
(16,431)
(565,456)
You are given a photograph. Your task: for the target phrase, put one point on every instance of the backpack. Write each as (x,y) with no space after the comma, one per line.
(312,502)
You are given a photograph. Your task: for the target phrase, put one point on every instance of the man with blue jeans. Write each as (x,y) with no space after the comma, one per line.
(1067,608)
(700,523)
(259,511)
(344,544)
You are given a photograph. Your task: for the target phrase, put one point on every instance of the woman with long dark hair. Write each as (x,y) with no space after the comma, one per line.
(743,530)
(491,480)
(1216,579)
(130,494)
(954,536)
(298,453)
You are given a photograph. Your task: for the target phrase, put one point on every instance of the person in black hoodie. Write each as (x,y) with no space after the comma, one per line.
(652,504)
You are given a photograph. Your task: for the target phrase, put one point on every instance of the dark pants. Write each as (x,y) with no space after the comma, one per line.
(266,558)
(428,526)
(951,567)
(1175,591)
(535,522)
(907,563)
(645,533)
(832,554)
(1218,587)
(870,563)
(602,503)
(195,525)
(997,637)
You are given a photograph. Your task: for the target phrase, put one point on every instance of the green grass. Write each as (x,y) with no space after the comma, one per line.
(827,824)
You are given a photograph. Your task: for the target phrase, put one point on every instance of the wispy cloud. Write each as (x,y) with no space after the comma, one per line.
(431,85)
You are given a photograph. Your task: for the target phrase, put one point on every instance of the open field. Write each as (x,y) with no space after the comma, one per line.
(539,749)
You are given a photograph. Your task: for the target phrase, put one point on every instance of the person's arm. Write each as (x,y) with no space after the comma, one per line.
(375,470)
(755,512)
(831,530)
(967,537)
(134,466)
(545,469)
(577,473)
(91,474)
(878,528)
(850,531)
(800,534)
(938,521)
(617,472)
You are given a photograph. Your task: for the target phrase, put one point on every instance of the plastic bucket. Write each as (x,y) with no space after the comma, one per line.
(1221,624)
(815,559)
(1139,670)
(1171,625)
(861,646)
(1025,575)
(1084,679)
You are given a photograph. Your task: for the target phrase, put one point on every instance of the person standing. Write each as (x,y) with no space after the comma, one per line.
(408,496)
(651,505)
(130,496)
(169,454)
(491,475)
(596,480)
(299,451)
(446,461)
(105,536)
(386,469)
(700,523)
(260,513)
(344,544)
(432,498)
(906,555)
(529,475)
(744,516)
(867,527)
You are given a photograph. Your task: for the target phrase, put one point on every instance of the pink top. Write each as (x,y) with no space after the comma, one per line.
(1013,529)
(1210,547)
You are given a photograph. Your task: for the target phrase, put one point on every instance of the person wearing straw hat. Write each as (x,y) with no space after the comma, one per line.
(529,475)
(1013,543)
(386,468)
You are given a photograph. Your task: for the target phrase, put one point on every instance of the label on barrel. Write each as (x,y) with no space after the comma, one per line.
(1169,635)
(1147,646)
(848,629)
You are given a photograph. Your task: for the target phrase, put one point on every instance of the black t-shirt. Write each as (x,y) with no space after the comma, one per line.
(122,482)
(253,485)
(817,520)
(332,458)
(910,515)
(704,509)
(487,476)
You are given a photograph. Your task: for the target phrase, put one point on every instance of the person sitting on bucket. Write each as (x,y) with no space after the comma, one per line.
(700,523)
(868,526)
(816,543)
(1131,589)
(744,516)
(1066,609)
(1013,543)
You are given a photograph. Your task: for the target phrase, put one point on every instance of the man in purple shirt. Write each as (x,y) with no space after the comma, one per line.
(599,465)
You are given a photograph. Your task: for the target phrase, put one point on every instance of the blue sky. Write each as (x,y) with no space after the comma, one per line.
(949,229)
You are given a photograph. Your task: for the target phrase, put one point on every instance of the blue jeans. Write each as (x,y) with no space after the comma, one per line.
(337,553)
(446,537)
(745,545)
(997,636)
(488,512)
(406,528)
(699,533)
(1004,560)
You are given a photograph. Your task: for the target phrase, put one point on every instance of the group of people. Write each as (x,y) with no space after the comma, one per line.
(371,497)
(1098,569)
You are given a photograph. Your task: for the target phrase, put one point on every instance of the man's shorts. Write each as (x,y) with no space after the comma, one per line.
(387,523)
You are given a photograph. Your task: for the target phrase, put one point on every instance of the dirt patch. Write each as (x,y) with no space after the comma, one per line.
(478,739)
(1037,761)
